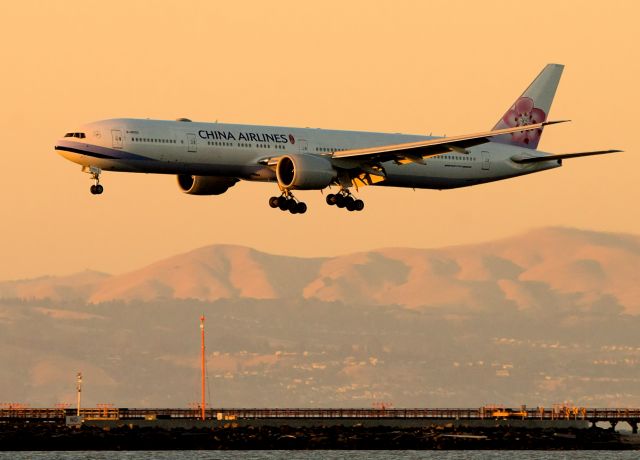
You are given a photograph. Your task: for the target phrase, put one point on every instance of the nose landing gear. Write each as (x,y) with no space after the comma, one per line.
(287,202)
(96,189)
(344,199)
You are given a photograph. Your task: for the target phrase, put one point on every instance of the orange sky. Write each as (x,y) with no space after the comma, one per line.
(417,67)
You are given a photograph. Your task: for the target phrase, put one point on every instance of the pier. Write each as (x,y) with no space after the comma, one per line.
(110,428)
(105,415)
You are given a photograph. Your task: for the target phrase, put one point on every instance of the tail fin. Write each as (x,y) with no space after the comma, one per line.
(532,107)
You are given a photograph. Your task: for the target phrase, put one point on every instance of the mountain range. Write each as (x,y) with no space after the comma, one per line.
(523,271)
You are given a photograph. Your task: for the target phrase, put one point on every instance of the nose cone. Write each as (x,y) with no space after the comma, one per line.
(68,146)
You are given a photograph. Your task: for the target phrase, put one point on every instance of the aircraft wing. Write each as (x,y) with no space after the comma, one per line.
(418,151)
(562,156)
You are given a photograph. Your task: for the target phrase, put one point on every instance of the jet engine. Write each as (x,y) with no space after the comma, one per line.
(205,185)
(304,172)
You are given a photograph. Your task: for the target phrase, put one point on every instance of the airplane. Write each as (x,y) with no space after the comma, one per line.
(209,158)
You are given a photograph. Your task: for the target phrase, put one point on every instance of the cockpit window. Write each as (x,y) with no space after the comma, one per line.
(78,135)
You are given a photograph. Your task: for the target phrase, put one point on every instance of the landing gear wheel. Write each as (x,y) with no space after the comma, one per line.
(283,203)
(344,199)
(93,189)
(99,189)
(287,202)
(301,207)
(297,207)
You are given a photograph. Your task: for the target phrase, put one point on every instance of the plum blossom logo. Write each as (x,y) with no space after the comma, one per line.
(524,113)
(292,139)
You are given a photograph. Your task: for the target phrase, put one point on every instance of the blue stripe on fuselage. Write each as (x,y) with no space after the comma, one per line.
(97,151)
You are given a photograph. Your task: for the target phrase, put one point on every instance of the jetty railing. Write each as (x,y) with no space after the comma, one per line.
(482,413)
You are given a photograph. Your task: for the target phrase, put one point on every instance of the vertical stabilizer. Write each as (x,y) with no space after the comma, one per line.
(532,107)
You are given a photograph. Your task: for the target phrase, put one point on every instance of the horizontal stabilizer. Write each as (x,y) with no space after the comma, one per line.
(521,159)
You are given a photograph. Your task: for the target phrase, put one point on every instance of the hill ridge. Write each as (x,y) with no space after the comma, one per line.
(523,271)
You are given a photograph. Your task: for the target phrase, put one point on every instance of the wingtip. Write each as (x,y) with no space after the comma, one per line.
(555,122)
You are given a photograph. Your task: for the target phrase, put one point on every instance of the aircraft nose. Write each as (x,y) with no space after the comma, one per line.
(69,137)
(65,145)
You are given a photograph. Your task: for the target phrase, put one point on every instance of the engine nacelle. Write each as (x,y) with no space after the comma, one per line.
(205,185)
(304,172)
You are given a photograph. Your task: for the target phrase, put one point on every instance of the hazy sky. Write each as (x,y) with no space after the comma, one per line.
(416,67)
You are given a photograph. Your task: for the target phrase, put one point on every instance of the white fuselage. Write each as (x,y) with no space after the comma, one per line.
(242,151)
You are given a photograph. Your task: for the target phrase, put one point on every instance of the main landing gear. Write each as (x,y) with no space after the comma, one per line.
(287,202)
(96,189)
(344,199)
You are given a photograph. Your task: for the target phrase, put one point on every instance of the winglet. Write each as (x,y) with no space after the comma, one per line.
(555,122)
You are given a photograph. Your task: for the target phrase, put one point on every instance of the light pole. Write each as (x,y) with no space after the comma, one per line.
(79,389)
